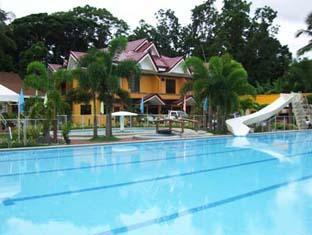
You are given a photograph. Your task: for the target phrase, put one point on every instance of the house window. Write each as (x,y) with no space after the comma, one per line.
(170,86)
(85,109)
(134,85)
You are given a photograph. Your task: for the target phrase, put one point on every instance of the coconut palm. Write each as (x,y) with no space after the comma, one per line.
(200,78)
(223,81)
(307,32)
(39,78)
(100,75)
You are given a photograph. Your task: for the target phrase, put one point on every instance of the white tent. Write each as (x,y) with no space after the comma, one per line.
(7,95)
(122,115)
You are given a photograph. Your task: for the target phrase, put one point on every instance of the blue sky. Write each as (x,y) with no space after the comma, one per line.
(291,13)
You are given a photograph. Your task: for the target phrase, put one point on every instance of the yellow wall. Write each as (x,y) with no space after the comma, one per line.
(149,84)
(266,99)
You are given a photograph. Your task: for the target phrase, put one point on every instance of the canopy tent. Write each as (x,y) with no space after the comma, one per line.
(7,95)
(122,115)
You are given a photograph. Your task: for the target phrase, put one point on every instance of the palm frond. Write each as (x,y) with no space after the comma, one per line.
(305,49)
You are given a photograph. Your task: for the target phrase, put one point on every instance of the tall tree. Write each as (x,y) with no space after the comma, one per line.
(99,74)
(7,44)
(167,33)
(307,32)
(223,82)
(144,30)
(61,32)
(37,52)
(199,35)
(112,73)
(89,76)
(263,56)
(232,27)
(298,77)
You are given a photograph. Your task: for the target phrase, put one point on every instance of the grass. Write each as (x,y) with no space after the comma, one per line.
(104,139)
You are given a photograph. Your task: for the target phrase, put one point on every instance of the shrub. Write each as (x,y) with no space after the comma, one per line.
(65,132)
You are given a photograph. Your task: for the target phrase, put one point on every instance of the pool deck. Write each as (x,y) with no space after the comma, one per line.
(135,140)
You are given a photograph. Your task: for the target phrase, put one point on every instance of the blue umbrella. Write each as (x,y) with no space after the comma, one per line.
(21,102)
(205,104)
(142,105)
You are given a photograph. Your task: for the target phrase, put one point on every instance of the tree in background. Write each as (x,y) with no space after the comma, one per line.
(47,83)
(249,38)
(144,30)
(7,44)
(61,32)
(307,32)
(99,75)
(263,56)
(232,27)
(37,52)
(298,77)
(199,36)
(167,34)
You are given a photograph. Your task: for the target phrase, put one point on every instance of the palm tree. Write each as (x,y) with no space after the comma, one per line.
(100,75)
(223,81)
(47,83)
(200,78)
(308,32)
(230,82)
(89,76)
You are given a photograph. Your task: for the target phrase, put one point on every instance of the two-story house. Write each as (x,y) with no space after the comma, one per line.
(161,80)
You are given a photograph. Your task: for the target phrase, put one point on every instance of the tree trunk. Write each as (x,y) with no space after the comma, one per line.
(54,126)
(95,127)
(46,131)
(220,119)
(108,127)
(209,113)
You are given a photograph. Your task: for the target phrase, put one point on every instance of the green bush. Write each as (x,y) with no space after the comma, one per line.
(65,131)
(309,98)
(33,134)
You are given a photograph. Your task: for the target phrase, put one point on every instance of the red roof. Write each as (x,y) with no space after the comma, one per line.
(55,67)
(136,50)
(77,54)
(144,47)
(133,45)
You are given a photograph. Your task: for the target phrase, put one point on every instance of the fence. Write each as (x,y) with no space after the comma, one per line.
(31,129)
(148,120)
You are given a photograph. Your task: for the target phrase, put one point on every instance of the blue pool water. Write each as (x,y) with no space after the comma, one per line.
(261,184)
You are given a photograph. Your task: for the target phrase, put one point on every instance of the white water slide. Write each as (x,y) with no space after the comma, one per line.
(239,126)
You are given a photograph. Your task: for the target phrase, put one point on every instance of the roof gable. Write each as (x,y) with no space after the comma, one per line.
(179,68)
(147,63)
(143,52)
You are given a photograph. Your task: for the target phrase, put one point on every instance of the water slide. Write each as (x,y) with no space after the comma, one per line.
(239,126)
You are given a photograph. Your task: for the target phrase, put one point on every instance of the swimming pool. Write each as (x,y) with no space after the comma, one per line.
(261,184)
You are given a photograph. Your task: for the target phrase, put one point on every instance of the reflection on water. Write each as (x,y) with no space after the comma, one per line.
(17,226)
(286,211)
